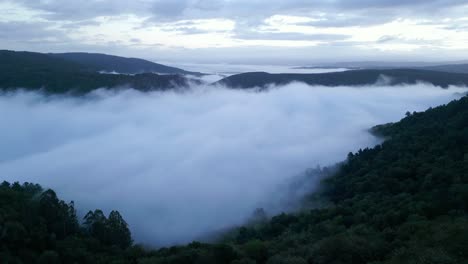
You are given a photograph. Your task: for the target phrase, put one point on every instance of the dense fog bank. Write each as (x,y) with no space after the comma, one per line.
(179,164)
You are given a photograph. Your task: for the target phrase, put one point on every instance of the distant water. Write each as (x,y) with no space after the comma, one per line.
(216,72)
(219,71)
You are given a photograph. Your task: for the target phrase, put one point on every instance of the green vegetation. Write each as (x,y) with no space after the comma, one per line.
(55,75)
(347,78)
(404,201)
(37,227)
(460,68)
(103,62)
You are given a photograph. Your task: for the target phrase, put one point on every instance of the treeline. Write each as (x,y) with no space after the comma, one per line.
(110,63)
(37,227)
(404,201)
(347,78)
(55,75)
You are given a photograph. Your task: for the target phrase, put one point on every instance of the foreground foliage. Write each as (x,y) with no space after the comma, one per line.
(37,227)
(404,201)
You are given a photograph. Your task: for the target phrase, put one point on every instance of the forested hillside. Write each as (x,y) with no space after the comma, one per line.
(460,68)
(347,78)
(55,75)
(403,201)
(37,227)
(110,63)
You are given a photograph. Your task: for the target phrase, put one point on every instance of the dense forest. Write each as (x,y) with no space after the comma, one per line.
(78,73)
(110,63)
(56,75)
(403,201)
(37,227)
(460,68)
(347,78)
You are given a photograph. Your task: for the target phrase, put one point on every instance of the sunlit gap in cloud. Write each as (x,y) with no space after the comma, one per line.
(180,164)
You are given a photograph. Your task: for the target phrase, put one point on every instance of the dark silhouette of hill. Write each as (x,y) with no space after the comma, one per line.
(351,78)
(32,71)
(110,63)
(457,68)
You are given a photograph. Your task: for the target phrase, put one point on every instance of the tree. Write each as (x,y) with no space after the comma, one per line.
(119,234)
(95,224)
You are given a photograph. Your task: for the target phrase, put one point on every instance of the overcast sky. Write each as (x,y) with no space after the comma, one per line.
(241,31)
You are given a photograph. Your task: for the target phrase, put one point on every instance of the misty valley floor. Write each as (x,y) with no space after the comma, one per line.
(402,201)
(179,165)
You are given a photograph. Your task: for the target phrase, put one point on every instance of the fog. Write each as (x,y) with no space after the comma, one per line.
(180,164)
(229,68)
(214,74)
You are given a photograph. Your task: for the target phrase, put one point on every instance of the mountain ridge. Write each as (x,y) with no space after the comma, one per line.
(34,71)
(348,78)
(113,63)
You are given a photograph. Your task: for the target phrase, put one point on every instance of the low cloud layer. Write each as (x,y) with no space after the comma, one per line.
(177,165)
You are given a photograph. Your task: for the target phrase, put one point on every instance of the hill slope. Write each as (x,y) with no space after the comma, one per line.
(403,201)
(38,227)
(457,68)
(353,78)
(110,63)
(32,71)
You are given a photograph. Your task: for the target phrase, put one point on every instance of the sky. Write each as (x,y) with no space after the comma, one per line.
(293,32)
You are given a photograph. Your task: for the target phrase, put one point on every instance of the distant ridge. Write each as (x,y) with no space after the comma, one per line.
(79,73)
(352,78)
(457,68)
(53,74)
(111,63)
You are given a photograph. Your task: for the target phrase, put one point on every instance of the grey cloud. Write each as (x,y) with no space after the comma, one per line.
(71,25)
(337,51)
(356,4)
(288,36)
(135,40)
(189,30)
(30,32)
(169,9)
(387,38)
(349,19)
(233,9)
(79,10)
(248,15)
(400,40)
(458,27)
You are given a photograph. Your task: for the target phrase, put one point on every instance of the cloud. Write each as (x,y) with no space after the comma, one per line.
(348,27)
(289,36)
(76,10)
(178,165)
(241,8)
(30,32)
